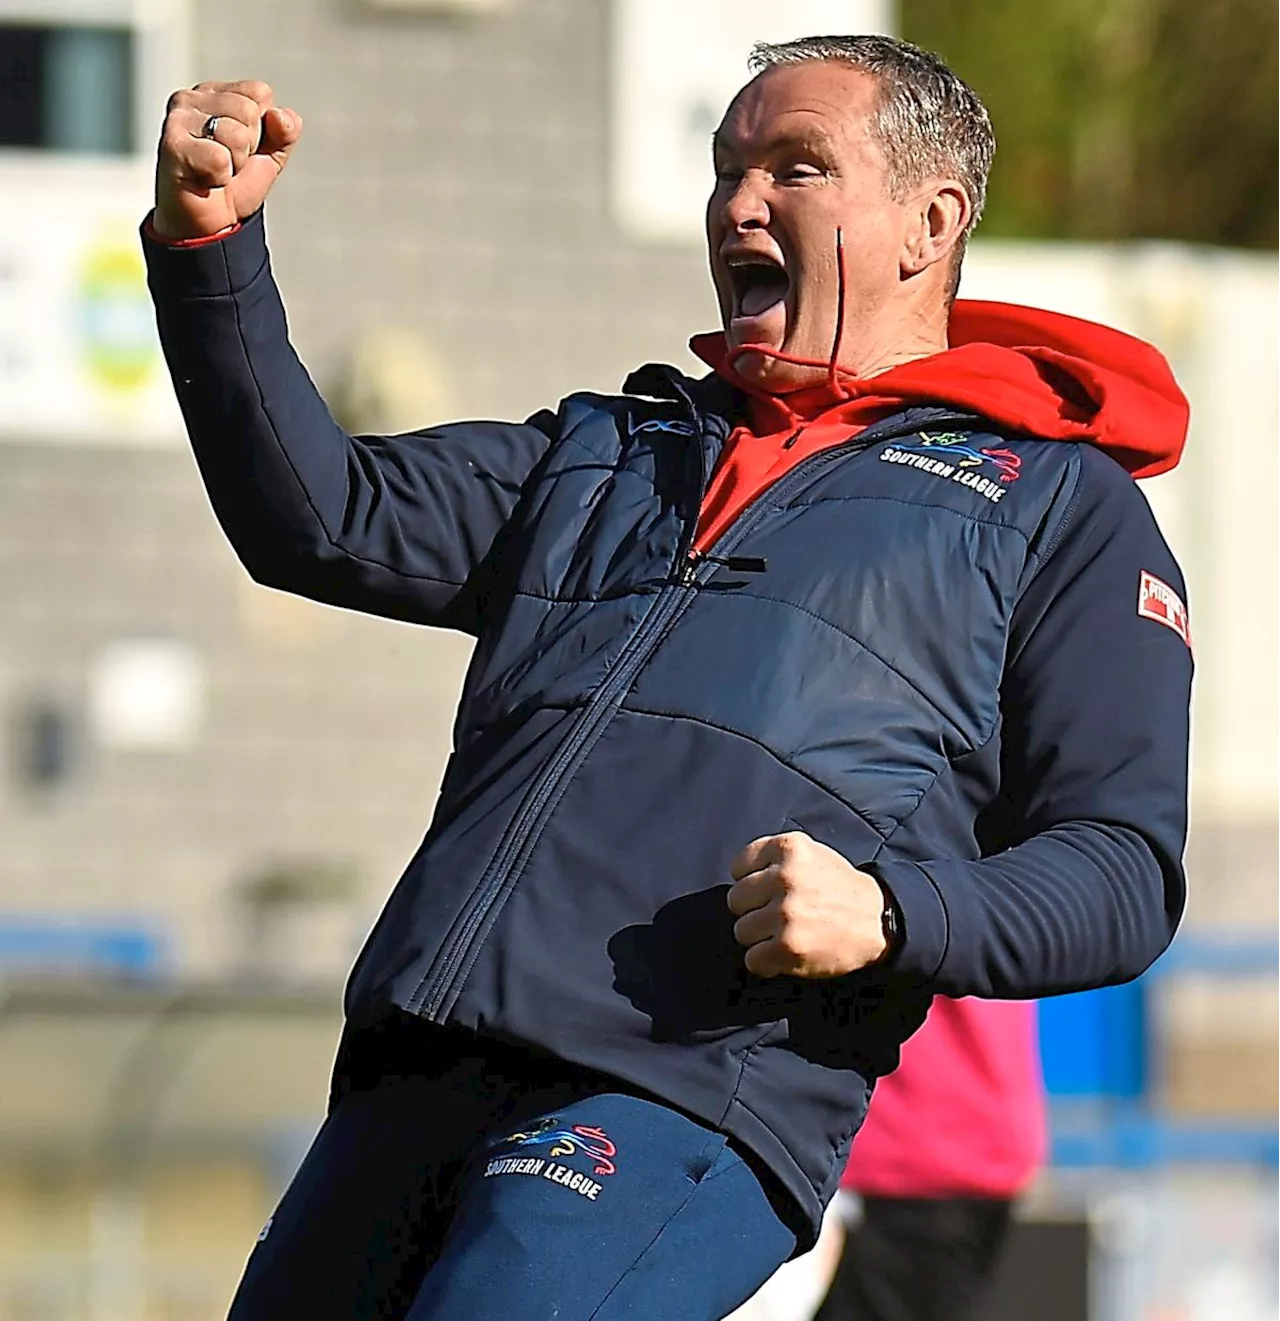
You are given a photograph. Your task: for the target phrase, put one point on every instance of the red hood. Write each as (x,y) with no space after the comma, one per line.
(1050,375)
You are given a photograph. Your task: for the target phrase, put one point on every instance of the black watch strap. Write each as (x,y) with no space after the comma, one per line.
(890,923)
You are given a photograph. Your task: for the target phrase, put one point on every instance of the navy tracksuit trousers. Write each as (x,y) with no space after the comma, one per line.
(459,1178)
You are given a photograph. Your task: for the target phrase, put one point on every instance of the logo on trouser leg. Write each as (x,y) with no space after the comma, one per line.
(579,1140)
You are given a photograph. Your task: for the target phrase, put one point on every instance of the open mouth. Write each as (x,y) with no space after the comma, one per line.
(758,285)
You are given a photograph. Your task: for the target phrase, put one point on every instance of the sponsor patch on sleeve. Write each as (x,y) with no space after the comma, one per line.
(1158,601)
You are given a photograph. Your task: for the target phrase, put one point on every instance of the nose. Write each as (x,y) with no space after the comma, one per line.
(746,207)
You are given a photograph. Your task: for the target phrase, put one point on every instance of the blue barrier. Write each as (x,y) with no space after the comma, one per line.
(1094,1044)
(1137,1140)
(1096,1051)
(1227,954)
(80,947)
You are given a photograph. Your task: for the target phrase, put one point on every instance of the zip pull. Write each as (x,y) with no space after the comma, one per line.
(734,563)
(739,563)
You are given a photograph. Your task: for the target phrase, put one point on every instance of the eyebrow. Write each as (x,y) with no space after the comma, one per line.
(805,139)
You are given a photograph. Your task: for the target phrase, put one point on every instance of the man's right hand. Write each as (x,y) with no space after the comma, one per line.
(205,185)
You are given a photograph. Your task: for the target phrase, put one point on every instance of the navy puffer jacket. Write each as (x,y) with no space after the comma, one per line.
(956,691)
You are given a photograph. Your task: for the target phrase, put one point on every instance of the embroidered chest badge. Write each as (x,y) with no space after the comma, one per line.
(1158,601)
(949,455)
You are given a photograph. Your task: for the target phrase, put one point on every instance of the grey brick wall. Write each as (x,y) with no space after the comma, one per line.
(324,734)
(452,179)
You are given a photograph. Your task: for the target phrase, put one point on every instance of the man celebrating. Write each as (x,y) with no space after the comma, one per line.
(852,673)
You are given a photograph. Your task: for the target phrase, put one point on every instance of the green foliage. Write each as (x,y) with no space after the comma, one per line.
(1120,118)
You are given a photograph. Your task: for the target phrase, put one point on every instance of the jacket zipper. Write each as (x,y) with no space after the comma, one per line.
(438,991)
(435,1001)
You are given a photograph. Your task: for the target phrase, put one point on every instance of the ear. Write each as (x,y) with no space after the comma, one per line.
(940,214)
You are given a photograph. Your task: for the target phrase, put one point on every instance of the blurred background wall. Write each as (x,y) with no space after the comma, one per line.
(207,789)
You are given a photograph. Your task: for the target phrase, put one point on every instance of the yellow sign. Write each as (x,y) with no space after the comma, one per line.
(116,326)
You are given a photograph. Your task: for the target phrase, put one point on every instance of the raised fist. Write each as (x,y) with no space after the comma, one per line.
(803,910)
(222,147)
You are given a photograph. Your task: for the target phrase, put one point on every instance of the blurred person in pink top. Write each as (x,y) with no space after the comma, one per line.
(952,1138)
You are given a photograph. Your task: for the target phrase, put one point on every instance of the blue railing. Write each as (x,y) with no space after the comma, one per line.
(79,947)
(1097,1051)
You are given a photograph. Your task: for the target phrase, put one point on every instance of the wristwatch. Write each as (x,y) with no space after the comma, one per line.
(890,924)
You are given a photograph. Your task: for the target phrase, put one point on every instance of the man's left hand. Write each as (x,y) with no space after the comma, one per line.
(803,910)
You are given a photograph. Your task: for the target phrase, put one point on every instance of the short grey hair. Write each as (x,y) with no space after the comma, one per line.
(929,122)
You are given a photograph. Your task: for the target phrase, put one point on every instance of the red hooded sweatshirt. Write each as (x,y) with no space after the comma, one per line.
(1036,373)
(964,1113)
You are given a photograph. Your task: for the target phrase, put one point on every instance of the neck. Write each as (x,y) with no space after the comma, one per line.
(867,342)
(899,334)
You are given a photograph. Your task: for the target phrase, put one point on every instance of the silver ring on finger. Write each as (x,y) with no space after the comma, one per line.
(210,128)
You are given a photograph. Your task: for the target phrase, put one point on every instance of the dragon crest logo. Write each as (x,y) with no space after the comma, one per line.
(593,1143)
(950,455)
(963,455)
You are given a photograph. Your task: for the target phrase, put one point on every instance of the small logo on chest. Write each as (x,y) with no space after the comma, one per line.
(673,425)
(949,456)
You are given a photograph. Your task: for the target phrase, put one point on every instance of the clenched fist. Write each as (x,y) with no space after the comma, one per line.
(222,147)
(803,910)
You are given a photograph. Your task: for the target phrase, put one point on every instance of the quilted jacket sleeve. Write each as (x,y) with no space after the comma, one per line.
(1095,698)
(393,525)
